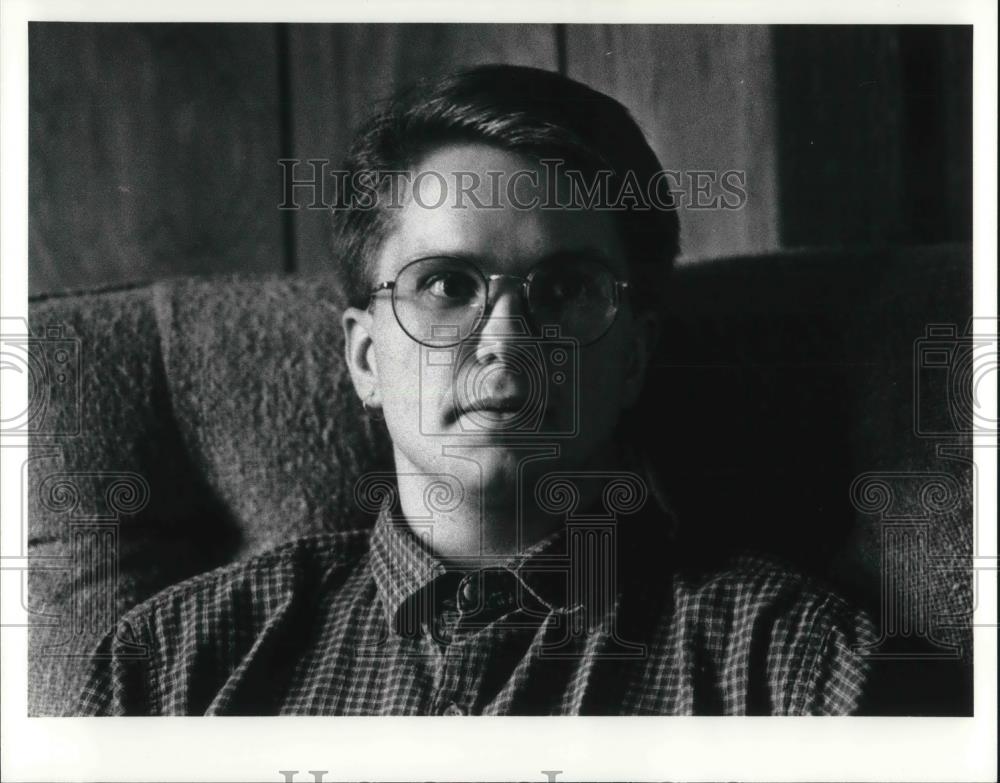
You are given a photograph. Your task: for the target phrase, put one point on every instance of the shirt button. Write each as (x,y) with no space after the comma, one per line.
(468,593)
(500,600)
(454,709)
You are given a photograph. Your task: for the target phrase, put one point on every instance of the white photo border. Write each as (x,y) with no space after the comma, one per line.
(693,749)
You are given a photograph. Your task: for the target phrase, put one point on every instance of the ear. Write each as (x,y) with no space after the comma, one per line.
(645,333)
(359,351)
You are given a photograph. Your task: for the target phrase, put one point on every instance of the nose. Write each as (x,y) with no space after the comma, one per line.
(505,318)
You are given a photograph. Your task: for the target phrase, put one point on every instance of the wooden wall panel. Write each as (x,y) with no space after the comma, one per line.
(153,152)
(875,134)
(937,98)
(841,134)
(154,147)
(338,72)
(704,95)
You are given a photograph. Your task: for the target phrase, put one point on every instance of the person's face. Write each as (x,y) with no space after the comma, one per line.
(459,410)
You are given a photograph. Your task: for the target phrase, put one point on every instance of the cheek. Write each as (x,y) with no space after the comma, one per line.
(602,374)
(413,383)
(604,366)
(398,364)
(600,389)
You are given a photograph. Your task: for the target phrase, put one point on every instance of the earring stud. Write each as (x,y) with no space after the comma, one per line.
(372,412)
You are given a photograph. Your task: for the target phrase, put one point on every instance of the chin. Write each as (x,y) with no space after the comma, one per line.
(486,467)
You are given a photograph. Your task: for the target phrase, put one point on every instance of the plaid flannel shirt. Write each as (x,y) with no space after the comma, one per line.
(370,623)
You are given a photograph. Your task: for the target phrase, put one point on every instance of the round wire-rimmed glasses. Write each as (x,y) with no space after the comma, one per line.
(439,301)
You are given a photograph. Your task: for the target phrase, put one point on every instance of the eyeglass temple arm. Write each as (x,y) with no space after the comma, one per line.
(388,285)
(621,284)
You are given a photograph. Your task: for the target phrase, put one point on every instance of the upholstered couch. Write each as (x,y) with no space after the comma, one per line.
(210,418)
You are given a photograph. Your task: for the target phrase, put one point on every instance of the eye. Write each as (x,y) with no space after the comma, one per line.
(563,287)
(449,286)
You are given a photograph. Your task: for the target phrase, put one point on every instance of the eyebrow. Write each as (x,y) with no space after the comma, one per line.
(559,256)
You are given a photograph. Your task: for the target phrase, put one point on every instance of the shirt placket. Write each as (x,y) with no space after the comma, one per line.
(465,642)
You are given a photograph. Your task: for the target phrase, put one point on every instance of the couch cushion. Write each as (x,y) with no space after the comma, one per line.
(791,400)
(215,420)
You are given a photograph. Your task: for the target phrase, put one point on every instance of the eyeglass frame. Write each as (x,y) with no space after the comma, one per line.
(621,288)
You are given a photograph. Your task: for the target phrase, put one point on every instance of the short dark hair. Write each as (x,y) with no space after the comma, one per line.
(530,111)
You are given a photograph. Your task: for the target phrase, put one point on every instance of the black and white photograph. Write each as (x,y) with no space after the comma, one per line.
(467,369)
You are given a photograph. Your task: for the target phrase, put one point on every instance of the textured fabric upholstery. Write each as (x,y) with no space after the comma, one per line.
(229,402)
(216,419)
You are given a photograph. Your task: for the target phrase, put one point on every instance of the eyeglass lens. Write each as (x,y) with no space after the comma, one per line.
(441,301)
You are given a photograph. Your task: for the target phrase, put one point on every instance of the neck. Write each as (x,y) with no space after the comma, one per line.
(489,522)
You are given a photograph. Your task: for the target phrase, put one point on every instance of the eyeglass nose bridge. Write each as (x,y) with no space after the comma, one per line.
(491,297)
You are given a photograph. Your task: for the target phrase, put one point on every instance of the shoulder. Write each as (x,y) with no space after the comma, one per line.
(756,618)
(264,580)
(749,584)
(173,652)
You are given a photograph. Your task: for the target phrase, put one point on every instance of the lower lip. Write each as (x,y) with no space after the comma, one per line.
(489,414)
(489,419)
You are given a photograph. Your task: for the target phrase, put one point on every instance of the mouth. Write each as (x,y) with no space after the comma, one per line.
(493,411)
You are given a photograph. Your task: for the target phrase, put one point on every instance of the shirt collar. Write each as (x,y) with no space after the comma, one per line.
(400,565)
(402,568)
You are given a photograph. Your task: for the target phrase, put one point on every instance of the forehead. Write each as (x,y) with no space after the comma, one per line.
(477,200)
